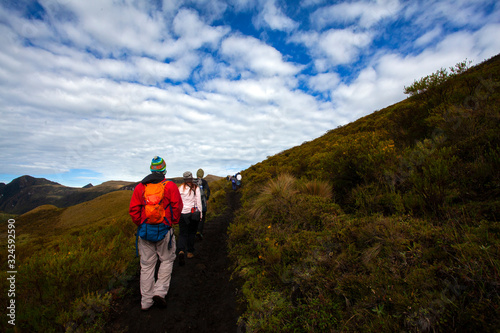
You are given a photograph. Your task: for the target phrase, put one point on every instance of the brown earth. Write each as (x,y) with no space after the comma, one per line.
(201,298)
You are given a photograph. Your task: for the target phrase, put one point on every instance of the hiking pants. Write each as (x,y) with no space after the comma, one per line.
(187,233)
(150,252)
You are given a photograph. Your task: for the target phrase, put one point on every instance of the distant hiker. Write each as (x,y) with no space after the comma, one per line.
(233,182)
(155,207)
(190,217)
(205,195)
(236,181)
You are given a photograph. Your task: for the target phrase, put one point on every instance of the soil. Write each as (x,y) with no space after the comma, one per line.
(201,298)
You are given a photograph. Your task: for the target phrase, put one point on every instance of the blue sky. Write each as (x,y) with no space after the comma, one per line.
(91,91)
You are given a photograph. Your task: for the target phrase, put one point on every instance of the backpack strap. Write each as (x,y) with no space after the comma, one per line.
(172,233)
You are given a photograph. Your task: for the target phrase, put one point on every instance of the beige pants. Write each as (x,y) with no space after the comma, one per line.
(150,253)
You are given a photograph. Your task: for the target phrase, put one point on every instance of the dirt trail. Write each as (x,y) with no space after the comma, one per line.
(202,298)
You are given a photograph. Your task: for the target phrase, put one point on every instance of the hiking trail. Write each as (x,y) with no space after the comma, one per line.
(201,298)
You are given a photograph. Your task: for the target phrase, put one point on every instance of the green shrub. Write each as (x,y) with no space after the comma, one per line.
(87,314)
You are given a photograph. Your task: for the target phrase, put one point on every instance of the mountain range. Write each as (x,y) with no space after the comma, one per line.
(26,193)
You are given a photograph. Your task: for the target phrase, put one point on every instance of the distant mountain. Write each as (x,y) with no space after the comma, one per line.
(26,193)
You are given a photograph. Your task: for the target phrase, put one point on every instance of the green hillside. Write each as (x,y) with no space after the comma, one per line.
(387,224)
(70,263)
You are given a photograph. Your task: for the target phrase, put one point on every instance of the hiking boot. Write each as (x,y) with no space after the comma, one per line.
(190,255)
(181,258)
(160,301)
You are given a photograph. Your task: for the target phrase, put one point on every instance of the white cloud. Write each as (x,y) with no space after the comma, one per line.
(248,53)
(324,81)
(194,33)
(116,28)
(273,17)
(429,36)
(487,42)
(343,46)
(152,71)
(458,13)
(334,47)
(364,13)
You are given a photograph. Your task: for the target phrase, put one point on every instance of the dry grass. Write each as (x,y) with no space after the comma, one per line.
(277,193)
(318,187)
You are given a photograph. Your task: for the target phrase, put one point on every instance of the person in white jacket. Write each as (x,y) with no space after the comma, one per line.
(190,217)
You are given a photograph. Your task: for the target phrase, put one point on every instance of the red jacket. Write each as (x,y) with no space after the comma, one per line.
(171,197)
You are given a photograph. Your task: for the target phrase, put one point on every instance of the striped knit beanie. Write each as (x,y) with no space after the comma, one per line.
(158,165)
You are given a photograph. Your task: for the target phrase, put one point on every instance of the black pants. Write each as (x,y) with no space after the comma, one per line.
(187,233)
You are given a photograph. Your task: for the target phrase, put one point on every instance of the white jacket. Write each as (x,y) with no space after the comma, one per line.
(190,199)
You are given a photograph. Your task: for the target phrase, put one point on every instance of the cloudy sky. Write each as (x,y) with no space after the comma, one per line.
(92,90)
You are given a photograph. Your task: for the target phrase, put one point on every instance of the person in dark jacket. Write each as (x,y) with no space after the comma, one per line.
(205,195)
(163,250)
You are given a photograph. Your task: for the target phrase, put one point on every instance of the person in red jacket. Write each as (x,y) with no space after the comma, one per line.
(165,249)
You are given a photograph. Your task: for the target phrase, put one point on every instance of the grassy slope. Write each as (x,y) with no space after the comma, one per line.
(68,259)
(417,247)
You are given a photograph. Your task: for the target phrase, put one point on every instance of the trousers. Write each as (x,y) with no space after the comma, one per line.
(150,253)
(187,232)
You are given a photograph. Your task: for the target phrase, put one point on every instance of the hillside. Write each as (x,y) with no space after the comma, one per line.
(458,120)
(387,224)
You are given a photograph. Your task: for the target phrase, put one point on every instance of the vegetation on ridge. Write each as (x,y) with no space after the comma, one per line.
(410,240)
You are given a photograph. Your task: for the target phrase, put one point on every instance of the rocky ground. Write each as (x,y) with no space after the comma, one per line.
(202,297)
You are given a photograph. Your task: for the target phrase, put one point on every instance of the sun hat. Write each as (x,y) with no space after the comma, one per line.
(188,176)
(158,165)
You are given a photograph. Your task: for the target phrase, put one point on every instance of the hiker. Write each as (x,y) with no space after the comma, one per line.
(190,217)
(205,195)
(233,182)
(155,207)
(236,181)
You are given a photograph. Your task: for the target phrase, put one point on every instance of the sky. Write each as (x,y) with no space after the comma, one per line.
(91,91)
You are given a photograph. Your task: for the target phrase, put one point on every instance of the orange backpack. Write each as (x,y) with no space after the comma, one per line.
(153,196)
